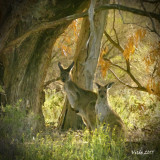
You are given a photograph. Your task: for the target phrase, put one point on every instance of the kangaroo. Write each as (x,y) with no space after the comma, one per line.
(82,101)
(105,114)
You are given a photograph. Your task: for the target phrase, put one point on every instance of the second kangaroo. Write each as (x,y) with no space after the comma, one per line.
(105,114)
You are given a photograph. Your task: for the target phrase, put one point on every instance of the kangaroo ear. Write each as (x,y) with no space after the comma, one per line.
(60,66)
(98,85)
(70,67)
(109,85)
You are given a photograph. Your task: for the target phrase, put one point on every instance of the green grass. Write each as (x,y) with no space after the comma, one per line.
(72,146)
(18,142)
(79,145)
(52,107)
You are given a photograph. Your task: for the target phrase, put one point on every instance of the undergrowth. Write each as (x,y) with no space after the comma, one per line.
(140,113)
(75,145)
(53,106)
(18,142)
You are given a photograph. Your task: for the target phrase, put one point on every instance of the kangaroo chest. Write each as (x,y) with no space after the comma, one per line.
(102,110)
(71,94)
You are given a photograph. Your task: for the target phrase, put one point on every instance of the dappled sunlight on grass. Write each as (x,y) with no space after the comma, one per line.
(18,141)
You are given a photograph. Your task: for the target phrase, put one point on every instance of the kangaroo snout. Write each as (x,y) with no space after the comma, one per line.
(101,95)
(63,79)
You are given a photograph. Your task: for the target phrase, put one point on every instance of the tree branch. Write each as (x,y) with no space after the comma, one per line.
(131,75)
(153,25)
(47,25)
(114,26)
(43,26)
(129,9)
(128,71)
(121,80)
(113,42)
(151,1)
(138,88)
(116,65)
(51,81)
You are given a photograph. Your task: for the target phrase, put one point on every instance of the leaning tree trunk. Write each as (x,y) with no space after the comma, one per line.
(26,47)
(86,58)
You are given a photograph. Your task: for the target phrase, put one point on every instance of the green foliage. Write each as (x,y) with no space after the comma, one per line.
(81,145)
(53,106)
(136,109)
(1,89)
(15,123)
(17,135)
(15,130)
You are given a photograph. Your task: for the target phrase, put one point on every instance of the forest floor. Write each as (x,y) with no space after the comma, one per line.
(53,144)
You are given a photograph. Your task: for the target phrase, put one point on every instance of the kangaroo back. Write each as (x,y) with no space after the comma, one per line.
(81,100)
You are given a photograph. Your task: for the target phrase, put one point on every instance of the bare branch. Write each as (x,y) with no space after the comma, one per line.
(43,26)
(113,42)
(129,9)
(128,65)
(131,75)
(138,88)
(116,65)
(121,80)
(47,25)
(151,1)
(153,25)
(128,71)
(51,81)
(114,26)
(129,22)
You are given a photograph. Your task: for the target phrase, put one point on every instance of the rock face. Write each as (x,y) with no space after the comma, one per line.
(26,47)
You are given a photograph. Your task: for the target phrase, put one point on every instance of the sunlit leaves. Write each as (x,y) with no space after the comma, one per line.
(152,61)
(103,63)
(153,86)
(65,44)
(132,42)
(154,54)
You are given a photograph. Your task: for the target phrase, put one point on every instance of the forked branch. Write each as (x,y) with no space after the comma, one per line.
(153,24)
(128,71)
(138,88)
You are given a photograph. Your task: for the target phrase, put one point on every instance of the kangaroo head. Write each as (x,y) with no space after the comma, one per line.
(102,90)
(64,72)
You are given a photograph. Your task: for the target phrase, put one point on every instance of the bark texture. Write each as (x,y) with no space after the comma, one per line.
(26,62)
(86,58)
(97,25)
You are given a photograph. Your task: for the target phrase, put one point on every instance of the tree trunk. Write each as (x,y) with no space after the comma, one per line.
(86,58)
(26,62)
(97,25)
